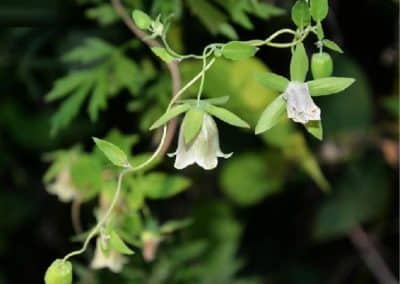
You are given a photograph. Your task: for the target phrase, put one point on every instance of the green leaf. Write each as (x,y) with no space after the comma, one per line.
(104,14)
(118,244)
(271,115)
(86,176)
(319,9)
(315,129)
(299,64)
(361,195)
(249,178)
(236,50)
(174,225)
(162,186)
(98,99)
(69,108)
(329,86)
(173,112)
(301,14)
(192,124)
(226,116)
(273,81)
(112,152)
(141,19)
(332,45)
(67,84)
(163,54)
(92,49)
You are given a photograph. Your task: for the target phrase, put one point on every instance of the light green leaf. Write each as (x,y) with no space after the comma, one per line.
(67,84)
(92,49)
(192,124)
(319,9)
(104,14)
(273,81)
(329,86)
(162,186)
(174,225)
(98,99)
(163,54)
(118,244)
(332,45)
(173,112)
(226,116)
(236,50)
(69,108)
(320,31)
(271,115)
(301,14)
(112,152)
(249,178)
(315,129)
(299,64)
(141,19)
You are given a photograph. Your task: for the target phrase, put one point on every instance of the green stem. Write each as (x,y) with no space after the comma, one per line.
(103,220)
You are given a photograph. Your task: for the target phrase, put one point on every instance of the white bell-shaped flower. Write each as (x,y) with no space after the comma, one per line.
(299,104)
(113,260)
(204,150)
(62,187)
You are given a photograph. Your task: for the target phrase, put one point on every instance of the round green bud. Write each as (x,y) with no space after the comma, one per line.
(321,65)
(59,272)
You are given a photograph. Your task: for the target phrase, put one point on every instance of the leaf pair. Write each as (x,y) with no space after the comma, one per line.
(302,12)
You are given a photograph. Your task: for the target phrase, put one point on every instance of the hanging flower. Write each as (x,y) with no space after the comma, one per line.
(204,150)
(62,187)
(113,260)
(300,106)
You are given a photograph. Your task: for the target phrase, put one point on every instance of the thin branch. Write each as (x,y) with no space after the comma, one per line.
(75,216)
(371,256)
(173,67)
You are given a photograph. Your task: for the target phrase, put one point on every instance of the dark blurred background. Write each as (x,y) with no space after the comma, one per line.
(360,149)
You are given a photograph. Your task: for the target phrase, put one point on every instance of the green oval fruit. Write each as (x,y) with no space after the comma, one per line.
(321,65)
(59,272)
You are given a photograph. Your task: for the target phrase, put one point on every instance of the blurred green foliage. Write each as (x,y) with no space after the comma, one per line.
(260,218)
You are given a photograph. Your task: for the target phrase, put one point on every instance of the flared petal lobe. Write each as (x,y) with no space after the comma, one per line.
(204,150)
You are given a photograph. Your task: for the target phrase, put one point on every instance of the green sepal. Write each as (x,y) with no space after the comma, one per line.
(315,129)
(118,244)
(329,86)
(319,9)
(332,46)
(226,116)
(273,81)
(299,64)
(271,115)
(173,112)
(192,124)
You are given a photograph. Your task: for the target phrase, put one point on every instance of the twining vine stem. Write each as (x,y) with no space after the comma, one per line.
(168,131)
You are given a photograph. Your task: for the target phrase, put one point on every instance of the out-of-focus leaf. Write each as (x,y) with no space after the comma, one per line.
(351,110)
(315,129)
(86,176)
(118,244)
(92,49)
(249,178)
(104,14)
(360,196)
(273,81)
(161,186)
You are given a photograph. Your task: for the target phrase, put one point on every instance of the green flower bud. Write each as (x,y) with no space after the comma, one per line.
(59,272)
(321,65)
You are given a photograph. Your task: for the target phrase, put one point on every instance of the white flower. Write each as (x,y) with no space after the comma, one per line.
(300,106)
(62,187)
(204,150)
(113,260)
